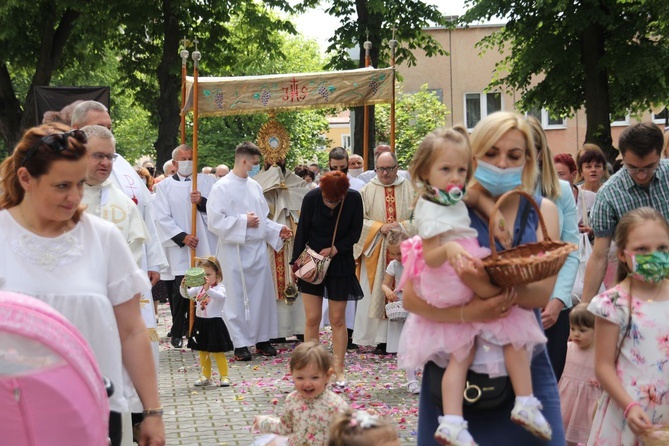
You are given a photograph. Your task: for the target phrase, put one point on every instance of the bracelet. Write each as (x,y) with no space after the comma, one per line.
(462,314)
(153,412)
(629,407)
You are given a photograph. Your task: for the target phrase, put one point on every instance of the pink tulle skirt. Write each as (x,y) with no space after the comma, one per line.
(425,340)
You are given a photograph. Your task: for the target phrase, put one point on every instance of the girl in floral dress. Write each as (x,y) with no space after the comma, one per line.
(309,410)
(579,389)
(632,335)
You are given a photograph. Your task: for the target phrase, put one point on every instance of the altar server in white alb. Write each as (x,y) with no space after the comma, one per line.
(238,214)
(173,206)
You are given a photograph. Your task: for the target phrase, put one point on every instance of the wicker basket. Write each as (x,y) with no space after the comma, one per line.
(526,263)
(396,312)
(658,436)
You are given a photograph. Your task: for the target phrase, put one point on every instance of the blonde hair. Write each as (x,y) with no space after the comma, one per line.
(490,129)
(360,429)
(550,182)
(429,149)
(310,353)
(210,262)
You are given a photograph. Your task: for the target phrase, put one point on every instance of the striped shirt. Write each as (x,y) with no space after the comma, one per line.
(620,194)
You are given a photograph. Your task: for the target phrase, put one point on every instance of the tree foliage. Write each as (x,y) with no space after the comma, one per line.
(416,115)
(376,20)
(609,56)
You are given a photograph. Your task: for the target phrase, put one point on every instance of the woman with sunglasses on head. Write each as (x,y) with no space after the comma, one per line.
(85,268)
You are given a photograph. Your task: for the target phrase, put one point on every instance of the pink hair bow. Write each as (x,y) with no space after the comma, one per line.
(412,259)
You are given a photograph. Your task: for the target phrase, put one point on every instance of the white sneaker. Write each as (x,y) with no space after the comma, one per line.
(529,416)
(413,387)
(448,433)
(203,382)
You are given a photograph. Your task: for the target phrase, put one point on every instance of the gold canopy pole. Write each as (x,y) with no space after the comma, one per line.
(393,46)
(184,62)
(365,136)
(196,61)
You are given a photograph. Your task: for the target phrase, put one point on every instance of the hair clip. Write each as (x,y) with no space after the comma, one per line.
(364,419)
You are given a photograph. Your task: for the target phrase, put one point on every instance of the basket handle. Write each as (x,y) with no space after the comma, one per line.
(495,210)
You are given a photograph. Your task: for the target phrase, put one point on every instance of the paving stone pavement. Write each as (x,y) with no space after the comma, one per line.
(213,416)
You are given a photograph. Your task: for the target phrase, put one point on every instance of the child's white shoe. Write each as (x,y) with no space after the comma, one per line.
(413,387)
(453,431)
(527,413)
(203,382)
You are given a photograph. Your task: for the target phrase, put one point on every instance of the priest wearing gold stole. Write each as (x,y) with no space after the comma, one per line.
(284,192)
(387,201)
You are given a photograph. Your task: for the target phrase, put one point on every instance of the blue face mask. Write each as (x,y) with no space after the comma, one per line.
(498,181)
(254,170)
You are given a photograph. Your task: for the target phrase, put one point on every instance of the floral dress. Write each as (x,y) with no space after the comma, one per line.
(643,365)
(305,422)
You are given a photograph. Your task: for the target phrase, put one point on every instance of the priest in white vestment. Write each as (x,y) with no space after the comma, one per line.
(173,202)
(238,214)
(284,192)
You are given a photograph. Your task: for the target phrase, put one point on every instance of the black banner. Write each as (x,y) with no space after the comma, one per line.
(55,98)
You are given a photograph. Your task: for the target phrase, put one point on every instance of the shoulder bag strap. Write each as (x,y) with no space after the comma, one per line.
(584,207)
(341,206)
(523,221)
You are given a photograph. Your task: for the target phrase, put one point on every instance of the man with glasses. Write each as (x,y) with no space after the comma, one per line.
(387,200)
(367,175)
(643,181)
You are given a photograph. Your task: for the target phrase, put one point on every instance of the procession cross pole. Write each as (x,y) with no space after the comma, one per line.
(184,62)
(365,136)
(196,62)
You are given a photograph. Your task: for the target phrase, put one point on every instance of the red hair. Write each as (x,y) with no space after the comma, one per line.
(567,160)
(334,185)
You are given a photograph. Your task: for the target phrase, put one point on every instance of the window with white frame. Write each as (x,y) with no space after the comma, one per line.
(661,118)
(547,120)
(480,105)
(346,141)
(620,119)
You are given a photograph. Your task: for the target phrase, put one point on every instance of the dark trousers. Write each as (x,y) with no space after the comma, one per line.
(115,428)
(558,335)
(179,307)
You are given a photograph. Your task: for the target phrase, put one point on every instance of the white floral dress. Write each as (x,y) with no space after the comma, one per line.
(305,422)
(643,365)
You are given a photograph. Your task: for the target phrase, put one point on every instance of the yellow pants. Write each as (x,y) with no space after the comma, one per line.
(221,361)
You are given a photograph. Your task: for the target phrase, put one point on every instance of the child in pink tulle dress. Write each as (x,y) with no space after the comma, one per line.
(440,168)
(578,387)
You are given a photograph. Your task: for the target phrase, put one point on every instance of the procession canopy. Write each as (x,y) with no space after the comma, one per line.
(223,96)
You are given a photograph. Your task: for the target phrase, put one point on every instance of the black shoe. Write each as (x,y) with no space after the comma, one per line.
(300,337)
(380,349)
(278,340)
(351,347)
(169,333)
(265,349)
(243,354)
(176,342)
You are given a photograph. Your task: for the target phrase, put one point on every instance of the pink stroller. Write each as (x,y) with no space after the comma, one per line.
(51,389)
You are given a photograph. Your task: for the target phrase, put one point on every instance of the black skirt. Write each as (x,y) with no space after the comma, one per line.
(336,288)
(210,335)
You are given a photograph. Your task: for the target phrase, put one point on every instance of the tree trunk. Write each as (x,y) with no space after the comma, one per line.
(10,111)
(597,108)
(169,82)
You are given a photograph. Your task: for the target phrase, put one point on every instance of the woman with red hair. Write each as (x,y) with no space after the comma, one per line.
(318,219)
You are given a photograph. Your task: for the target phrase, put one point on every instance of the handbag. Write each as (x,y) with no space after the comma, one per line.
(310,265)
(482,393)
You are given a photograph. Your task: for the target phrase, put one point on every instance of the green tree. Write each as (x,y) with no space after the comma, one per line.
(375,19)
(416,115)
(609,56)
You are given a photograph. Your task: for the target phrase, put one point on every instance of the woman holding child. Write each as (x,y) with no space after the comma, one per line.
(504,159)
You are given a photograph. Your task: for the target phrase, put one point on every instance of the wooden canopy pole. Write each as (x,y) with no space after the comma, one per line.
(184,62)
(196,61)
(365,136)
(393,46)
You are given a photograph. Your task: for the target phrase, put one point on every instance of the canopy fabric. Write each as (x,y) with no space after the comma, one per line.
(223,96)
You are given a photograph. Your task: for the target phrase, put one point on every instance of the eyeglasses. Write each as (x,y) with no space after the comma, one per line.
(386,169)
(645,170)
(57,142)
(98,156)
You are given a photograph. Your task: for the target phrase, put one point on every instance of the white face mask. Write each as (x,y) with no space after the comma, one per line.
(185,168)
(355,172)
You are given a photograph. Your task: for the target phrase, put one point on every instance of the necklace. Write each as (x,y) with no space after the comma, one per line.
(32,228)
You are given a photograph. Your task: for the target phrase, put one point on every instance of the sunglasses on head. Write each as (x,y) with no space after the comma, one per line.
(57,142)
